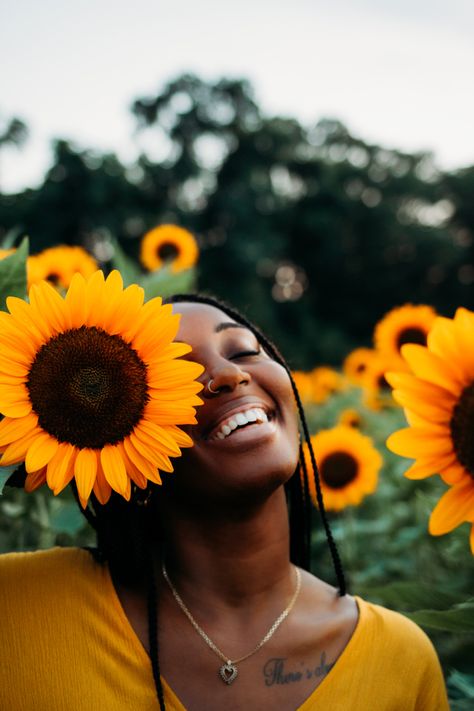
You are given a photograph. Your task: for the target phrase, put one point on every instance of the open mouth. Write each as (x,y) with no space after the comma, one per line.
(245,418)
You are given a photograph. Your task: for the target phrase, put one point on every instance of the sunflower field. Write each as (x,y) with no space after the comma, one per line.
(387,382)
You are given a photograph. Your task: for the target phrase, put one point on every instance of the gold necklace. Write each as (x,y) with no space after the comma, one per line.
(228,671)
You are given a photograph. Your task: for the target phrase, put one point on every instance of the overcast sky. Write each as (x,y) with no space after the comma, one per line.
(397,72)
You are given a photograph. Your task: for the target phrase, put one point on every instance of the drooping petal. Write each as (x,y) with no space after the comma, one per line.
(85,471)
(114,469)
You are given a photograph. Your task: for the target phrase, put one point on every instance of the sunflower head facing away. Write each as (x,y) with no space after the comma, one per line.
(348,464)
(168,245)
(405,324)
(92,387)
(438,399)
(58,265)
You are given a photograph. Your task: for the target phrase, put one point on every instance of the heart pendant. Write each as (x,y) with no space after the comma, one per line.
(228,672)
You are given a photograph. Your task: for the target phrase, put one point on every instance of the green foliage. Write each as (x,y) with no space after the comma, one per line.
(13,274)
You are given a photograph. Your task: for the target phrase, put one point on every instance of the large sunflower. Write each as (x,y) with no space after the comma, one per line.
(92,387)
(438,398)
(168,245)
(405,324)
(348,466)
(59,264)
(356,363)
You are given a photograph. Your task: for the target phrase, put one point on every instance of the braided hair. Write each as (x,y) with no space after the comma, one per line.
(127,531)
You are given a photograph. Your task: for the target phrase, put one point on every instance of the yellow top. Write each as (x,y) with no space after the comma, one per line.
(67,645)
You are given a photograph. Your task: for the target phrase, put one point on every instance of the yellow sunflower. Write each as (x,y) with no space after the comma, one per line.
(405,324)
(438,399)
(6,252)
(350,417)
(377,391)
(58,265)
(325,382)
(355,364)
(303,384)
(92,387)
(168,245)
(348,466)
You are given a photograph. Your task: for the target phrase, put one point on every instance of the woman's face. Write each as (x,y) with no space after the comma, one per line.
(246,438)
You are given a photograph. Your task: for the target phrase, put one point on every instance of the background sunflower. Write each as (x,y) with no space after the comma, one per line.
(168,245)
(404,324)
(58,265)
(348,466)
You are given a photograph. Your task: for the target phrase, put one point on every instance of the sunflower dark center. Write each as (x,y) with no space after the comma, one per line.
(411,335)
(361,367)
(53,278)
(338,469)
(167,252)
(88,388)
(462,429)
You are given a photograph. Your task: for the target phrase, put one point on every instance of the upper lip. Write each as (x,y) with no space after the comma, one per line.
(207,425)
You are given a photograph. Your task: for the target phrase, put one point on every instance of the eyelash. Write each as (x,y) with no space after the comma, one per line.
(243,354)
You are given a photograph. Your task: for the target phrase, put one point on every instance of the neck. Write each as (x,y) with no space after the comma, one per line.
(230,561)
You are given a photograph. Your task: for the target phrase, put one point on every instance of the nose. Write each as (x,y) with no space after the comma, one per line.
(226,378)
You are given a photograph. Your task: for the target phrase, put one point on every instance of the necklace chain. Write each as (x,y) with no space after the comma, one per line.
(228,662)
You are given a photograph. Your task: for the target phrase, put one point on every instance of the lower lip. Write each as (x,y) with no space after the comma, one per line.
(249,435)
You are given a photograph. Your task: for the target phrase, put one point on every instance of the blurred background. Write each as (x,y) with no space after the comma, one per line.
(322,155)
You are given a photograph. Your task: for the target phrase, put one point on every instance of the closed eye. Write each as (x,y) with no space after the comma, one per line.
(244,354)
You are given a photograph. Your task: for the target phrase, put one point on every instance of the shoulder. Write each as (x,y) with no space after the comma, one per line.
(391,634)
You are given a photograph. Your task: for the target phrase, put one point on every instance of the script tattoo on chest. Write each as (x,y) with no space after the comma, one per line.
(275,672)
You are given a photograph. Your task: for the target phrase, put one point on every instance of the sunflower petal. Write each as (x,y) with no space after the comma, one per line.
(60,468)
(102,488)
(454,507)
(114,469)
(40,452)
(35,479)
(12,429)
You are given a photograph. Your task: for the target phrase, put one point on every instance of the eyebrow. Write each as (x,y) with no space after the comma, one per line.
(228,324)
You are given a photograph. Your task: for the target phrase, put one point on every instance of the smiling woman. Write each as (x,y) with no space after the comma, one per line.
(198,595)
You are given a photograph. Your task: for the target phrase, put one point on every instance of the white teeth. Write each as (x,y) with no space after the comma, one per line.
(240,419)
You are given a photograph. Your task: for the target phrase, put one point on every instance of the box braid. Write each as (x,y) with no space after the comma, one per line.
(125,536)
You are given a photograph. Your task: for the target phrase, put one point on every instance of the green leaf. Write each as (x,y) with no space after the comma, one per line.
(462,683)
(127,267)
(5,474)
(459,618)
(164,283)
(414,596)
(13,274)
(10,238)
(67,519)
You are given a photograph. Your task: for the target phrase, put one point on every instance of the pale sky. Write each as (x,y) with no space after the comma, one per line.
(396,72)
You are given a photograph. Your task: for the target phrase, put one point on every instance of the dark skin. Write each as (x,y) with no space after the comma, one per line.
(226,524)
